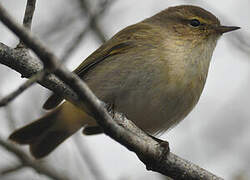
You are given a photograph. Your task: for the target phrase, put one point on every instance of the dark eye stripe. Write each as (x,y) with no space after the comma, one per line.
(195,22)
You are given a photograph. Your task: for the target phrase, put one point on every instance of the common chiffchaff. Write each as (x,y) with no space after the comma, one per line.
(153,72)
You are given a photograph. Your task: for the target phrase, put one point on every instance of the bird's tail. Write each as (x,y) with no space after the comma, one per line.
(45,134)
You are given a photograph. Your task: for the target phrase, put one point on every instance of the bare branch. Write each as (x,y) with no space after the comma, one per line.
(29,12)
(150,152)
(28,162)
(93,21)
(84,152)
(37,77)
(12,169)
(240,40)
(28,16)
(73,45)
(10,118)
(21,61)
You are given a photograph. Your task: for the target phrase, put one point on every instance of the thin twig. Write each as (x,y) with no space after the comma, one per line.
(27,65)
(73,45)
(151,153)
(23,158)
(7,99)
(10,118)
(94,24)
(240,40)
(28,162)
(29,12)
(11,169)
(28,16)
(87,158)
(92,20)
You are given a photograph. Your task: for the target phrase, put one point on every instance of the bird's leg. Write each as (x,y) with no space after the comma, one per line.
(92,130)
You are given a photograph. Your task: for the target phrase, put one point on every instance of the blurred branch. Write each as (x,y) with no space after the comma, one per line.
(54,27)
(93,19)
(37,77)
(9,115)
(12,169)
(84,152)
(25,160)
(241,41)
(91,25)
(28,162)
(150,152)
(10,118)
(73,45)
(28,16)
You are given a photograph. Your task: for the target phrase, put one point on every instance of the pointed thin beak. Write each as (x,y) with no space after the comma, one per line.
(224,29)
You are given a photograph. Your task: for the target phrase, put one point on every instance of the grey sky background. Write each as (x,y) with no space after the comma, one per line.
(215,135)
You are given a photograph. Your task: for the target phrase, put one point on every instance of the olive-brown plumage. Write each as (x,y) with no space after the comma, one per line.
(153,72)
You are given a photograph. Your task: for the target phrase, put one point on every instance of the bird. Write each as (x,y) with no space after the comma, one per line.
(153,72)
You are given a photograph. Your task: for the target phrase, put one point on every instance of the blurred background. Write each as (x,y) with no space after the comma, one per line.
(215,135)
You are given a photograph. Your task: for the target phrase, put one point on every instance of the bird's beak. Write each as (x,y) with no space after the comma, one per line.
(224,29)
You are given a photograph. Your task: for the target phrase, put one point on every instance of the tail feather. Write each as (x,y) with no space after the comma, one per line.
(53,101)
(31,132)
(43,135)
(47,143)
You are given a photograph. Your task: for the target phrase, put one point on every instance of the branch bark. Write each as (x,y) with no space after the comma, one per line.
(28,16)
(151,153)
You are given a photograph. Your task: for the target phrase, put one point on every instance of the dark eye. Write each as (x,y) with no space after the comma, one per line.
(195,22)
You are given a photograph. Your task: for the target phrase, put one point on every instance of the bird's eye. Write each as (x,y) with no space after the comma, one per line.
(195,22)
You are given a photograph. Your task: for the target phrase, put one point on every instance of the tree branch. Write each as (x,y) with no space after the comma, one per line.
(151,153)
(37,77)
(91,163)
(28,16)
(29,12)
(91,20)
(27,162)
(94,21)
(21,61)
(11,169)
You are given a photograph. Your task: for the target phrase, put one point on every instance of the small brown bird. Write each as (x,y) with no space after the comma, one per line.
(153,72)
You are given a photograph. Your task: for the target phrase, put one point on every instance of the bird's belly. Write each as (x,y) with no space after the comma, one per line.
(146,95)
(155,109)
